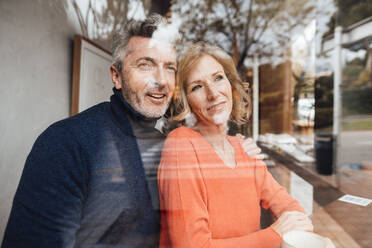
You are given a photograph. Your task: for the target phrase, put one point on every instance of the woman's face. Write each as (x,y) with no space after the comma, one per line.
(208,92)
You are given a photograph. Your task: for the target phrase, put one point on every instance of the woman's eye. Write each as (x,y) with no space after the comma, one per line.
(218,78)
(195,87)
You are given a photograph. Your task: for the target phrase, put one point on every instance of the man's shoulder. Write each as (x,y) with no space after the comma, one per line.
(94,114)
(75,125)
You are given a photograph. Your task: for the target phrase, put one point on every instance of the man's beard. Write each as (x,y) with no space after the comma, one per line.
(138,102)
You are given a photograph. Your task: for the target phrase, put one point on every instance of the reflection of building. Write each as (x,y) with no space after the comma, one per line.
(283,87)
(354,37)
(351,79)
(275,98)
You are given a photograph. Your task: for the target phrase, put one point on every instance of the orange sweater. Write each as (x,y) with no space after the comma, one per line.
(205,203)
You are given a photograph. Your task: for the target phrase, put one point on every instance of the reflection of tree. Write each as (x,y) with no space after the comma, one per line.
(348,13)
(243,27)
(101,23)
(356,74)
(357,87)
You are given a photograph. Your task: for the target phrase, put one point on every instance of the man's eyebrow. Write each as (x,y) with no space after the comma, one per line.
(149,59)
(171,63)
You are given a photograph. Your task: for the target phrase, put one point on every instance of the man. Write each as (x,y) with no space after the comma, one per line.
(90,180)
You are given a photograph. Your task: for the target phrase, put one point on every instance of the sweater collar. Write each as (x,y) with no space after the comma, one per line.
(122,109)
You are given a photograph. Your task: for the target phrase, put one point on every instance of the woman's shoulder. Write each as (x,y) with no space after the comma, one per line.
(182,132)
(183,137)
(179,144)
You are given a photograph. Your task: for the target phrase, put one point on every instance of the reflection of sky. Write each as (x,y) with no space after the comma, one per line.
(326,9)
(136,10)
(303,49)
(324,64)
(350,55)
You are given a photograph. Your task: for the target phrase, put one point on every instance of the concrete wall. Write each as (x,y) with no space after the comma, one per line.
(36,42)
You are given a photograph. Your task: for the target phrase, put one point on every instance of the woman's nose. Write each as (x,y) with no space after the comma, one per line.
(211,92)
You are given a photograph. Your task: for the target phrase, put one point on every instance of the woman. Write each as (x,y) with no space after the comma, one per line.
(210,190)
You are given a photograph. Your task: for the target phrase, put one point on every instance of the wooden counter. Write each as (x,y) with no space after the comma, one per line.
(348,225)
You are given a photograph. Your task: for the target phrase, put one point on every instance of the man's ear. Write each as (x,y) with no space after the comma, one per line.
(116,77)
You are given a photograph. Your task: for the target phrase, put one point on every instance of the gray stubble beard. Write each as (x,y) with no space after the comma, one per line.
(136,103)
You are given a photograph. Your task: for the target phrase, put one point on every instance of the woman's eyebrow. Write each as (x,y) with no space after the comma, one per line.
(199,80)
(217,72)
(195,82)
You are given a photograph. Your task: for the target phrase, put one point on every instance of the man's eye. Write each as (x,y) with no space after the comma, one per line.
(195,87)
(145,66)
(171,68)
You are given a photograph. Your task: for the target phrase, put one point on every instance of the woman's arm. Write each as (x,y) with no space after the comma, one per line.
(183,201)
(273,195)
(290,214)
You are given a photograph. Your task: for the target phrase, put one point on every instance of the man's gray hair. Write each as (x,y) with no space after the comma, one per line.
(133,28)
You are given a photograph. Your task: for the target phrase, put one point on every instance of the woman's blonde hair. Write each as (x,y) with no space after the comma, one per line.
(180,108)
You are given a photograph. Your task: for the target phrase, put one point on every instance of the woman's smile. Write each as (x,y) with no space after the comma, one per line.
(209,92)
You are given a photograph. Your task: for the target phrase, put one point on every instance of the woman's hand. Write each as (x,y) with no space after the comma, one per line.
(292,220)
(250,147)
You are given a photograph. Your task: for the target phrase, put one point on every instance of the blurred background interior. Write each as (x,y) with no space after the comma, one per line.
(307,64)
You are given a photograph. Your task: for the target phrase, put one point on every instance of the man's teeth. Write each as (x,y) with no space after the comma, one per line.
(158,96)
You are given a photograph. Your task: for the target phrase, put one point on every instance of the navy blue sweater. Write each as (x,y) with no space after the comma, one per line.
(83,185)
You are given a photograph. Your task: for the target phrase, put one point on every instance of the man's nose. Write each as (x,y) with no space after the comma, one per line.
(161,77)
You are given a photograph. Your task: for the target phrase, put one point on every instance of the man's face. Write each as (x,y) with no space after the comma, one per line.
(148,77)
